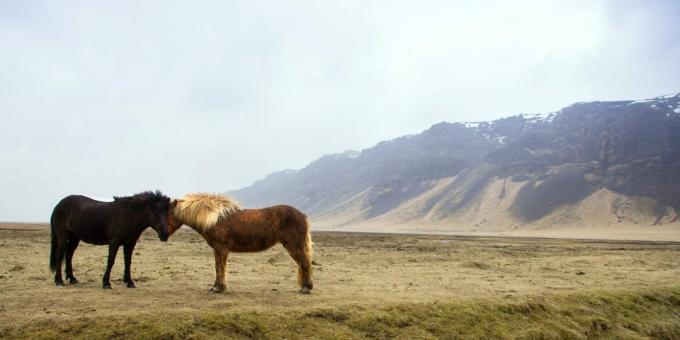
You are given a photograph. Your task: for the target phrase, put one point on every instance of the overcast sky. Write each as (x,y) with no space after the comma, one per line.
(111,98)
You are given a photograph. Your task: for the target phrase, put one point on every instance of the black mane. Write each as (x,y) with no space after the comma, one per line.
(146,198)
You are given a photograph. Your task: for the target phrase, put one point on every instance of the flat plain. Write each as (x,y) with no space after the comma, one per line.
(366,285)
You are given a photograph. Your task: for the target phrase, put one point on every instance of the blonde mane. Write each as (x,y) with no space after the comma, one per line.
(203,211)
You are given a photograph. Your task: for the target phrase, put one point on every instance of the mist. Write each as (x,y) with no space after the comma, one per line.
(106,99)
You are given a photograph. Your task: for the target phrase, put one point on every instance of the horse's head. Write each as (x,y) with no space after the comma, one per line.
(158,212)
(173,222)
(157,205)
(154,206)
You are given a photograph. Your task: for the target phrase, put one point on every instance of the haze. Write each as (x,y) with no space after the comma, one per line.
(110,99)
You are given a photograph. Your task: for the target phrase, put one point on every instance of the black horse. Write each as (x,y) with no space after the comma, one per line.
(116,223)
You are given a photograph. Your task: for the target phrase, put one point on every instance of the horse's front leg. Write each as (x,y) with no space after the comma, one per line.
(127,251)
(113,250)
(221,254)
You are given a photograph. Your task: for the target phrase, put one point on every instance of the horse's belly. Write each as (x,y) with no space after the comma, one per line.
(88,236)
(94,240)
(88,228)
(249,244)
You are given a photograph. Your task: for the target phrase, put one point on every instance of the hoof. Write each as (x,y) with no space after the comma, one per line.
(131,285)
(304,290)
(73,280)
(60,283)
(107,286)
(217,289)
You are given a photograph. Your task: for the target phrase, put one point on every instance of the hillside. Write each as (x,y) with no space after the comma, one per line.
(604,163)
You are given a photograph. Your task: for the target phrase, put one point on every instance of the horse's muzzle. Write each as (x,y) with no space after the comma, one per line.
(162,235)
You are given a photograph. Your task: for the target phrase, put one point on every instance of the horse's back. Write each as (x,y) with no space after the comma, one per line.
(81,216)
(278,217)
(73,203)
(291,216)
(61,210)
(259,229)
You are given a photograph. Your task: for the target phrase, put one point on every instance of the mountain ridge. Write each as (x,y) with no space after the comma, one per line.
(507,173)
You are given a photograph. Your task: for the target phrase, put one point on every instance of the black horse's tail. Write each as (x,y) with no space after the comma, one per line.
(53,251)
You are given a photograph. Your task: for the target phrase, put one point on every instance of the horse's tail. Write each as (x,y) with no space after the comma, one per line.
(53,250)
(308,250)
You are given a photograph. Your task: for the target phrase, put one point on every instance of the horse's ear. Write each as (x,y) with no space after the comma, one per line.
(174,202)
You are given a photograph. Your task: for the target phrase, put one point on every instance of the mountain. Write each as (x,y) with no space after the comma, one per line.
(595,162)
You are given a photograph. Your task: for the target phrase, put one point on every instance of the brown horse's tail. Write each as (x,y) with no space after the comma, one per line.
(301,279)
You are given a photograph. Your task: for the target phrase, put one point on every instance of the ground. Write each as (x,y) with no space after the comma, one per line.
(366,285)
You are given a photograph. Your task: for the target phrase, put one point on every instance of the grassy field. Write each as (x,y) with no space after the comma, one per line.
(366,285)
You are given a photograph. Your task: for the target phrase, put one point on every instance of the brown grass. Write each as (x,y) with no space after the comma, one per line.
(366,285)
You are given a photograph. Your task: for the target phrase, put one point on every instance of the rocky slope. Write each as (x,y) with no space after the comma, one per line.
(596,162)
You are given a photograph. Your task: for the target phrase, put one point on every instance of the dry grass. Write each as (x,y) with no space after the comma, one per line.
(365,285)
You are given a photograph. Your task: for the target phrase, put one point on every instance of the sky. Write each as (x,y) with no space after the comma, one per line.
(112,98)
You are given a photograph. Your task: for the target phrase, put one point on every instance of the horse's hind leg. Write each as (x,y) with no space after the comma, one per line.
(71,245)
(299,252)
(59,258)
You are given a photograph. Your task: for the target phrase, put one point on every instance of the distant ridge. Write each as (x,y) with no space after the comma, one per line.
(611,163)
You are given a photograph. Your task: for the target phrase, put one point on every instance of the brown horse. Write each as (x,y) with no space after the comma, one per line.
(226,227)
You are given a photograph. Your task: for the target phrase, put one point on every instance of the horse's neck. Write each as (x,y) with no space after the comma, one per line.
(140,222)
(197,229)
(137,215)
